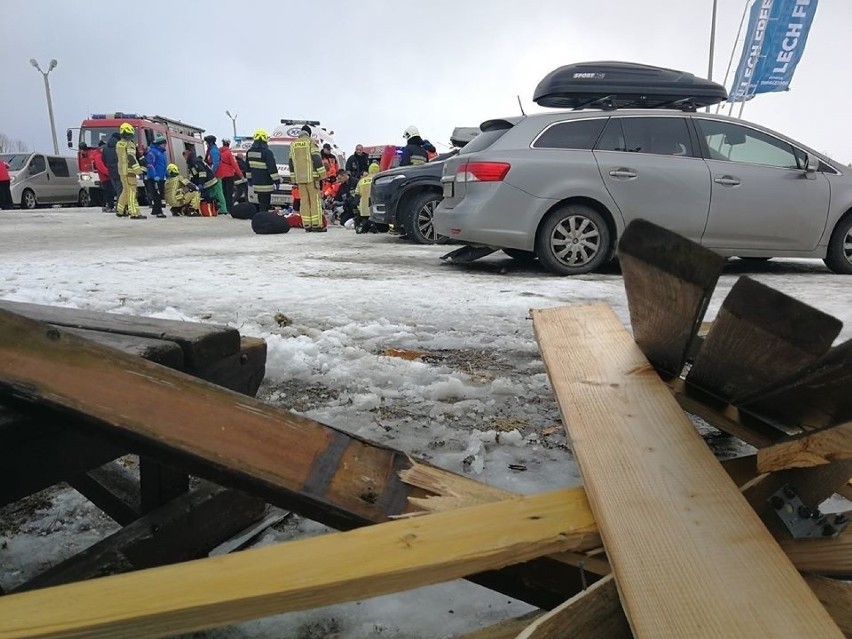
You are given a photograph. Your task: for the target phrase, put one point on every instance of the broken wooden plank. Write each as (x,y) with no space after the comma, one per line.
(155,350)
(657,491)
(184,529)
(722,416)
(202,344)
(113,489)
(759,337)
(822,556)
(811,449)
(244,537)
(329,476)
(595,613)
(817,396)
(836,596)
(297,575)
(669,281)
(241,372)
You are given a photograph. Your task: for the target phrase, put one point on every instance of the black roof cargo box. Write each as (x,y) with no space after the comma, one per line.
(625,85)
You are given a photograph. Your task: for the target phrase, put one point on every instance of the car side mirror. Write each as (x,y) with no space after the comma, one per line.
(811,167)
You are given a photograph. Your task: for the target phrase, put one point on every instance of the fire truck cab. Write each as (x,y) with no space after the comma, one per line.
(100,126)
(279,143)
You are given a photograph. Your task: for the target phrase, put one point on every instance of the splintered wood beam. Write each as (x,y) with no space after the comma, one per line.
(291,461)
(823,556)
(836,596)
(811,449)
(202,344)
(817,396)
(759,337)
(669,281)
(595,613)
(299,575)
(657,492)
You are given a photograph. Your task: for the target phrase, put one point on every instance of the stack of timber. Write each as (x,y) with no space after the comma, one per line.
(662,541)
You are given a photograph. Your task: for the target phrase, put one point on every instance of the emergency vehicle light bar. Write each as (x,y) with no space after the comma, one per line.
(308,122)
(118,115)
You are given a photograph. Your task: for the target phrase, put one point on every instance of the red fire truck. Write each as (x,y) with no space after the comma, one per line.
(100,126)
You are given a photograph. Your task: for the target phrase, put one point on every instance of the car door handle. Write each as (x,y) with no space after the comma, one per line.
(728,180)
(624,174)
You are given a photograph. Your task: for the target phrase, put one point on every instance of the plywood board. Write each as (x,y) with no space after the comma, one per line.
(682,541)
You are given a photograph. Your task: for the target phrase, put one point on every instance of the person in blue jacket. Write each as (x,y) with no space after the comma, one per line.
(156,177)
(213,159)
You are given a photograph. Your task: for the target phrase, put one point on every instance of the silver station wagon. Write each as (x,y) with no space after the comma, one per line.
(561,187)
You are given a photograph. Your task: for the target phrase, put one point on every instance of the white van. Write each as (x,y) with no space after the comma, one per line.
(42,180)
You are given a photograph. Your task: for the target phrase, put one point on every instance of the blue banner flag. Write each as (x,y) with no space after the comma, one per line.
(784,44)
(775,40)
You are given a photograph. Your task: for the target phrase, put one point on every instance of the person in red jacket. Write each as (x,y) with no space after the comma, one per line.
(5,187)
(107,189)
(228,171)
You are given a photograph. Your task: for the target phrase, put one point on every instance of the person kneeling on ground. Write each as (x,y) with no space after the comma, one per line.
(181,194)
(365,184)
(269,222)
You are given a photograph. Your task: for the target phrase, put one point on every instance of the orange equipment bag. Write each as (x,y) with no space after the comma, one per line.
(208,209)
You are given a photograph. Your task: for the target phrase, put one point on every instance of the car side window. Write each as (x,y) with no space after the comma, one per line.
(58,166)
(37,165)
(731,142)
(656,136)
(613,137)
(577,134)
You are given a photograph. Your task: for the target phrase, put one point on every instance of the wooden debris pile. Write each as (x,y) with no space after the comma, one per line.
(662,541)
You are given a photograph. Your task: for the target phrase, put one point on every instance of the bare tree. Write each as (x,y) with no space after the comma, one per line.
(8,145)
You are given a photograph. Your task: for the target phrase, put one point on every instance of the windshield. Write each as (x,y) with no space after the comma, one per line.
(16,161)
(281,153)
(92,135)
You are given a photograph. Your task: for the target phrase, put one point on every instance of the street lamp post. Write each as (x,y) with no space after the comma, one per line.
(712,43)
(44,74)
(233,121)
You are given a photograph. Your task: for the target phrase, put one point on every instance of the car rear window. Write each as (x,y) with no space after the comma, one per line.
(576,134)
(486,138)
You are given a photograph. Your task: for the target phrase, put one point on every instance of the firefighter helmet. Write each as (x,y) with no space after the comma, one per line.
(172,168)
(411,132)
(262,135)
(126,128)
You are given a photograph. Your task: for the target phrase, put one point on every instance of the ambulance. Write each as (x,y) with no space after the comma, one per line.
(100,126)
(279,143)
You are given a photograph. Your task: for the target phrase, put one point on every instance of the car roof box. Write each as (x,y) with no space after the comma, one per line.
(625,85)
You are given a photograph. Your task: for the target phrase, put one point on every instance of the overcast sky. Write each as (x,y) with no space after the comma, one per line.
(369,69)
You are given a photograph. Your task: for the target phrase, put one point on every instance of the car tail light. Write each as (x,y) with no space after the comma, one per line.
(482,171)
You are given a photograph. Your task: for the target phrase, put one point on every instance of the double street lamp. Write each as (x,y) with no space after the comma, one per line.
(233,121)
(52,66)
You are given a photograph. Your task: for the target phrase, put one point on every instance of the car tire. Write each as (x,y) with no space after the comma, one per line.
(839,255)
(28,200)
(572,240)
(418,219)
(525,257)
(84,199)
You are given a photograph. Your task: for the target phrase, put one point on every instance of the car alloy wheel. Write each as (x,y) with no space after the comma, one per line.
(847,246)
(29,200)
(575,240)
(425,221)
(84,200)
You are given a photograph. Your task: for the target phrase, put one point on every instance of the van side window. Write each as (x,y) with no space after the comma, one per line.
(58,166)
(577,134)
(38,165)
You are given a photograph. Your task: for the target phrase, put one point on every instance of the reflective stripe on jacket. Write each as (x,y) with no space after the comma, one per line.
(262,169)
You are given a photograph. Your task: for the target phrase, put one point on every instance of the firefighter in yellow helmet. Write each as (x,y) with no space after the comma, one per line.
(262,169)
(128,169)
(365,184)
(306,172)
(182,196)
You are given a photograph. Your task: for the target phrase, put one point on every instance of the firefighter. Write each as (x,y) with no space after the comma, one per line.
(413,154)
(262,170)
(200,174)
(306,171)
(182,196)
(128,169)
(363,193)
(213,158)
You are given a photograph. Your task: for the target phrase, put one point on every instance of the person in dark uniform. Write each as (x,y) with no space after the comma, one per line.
(262,169)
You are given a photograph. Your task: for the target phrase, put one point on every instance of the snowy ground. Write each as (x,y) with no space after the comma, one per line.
(477,401)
